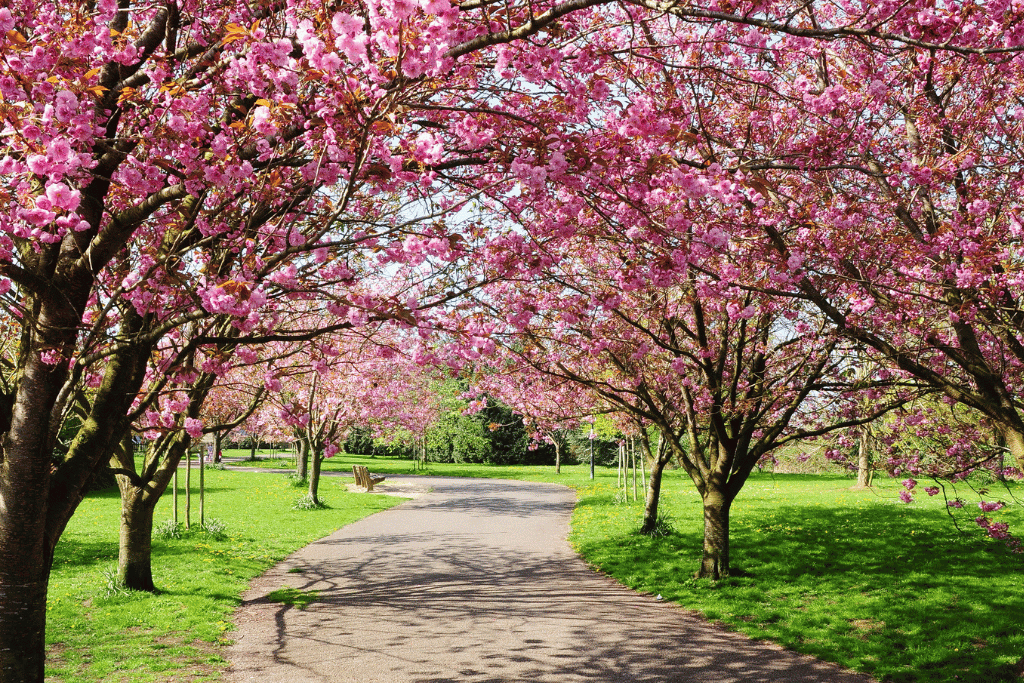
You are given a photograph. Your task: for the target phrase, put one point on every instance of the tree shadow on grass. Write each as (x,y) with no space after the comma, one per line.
(892,591)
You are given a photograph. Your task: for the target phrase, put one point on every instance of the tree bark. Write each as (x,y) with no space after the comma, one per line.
(658,464)
(1015,444)
(34,504)
(134,557)
(24,565)
(302,468)
(714,563)
(314,476)
(864,459)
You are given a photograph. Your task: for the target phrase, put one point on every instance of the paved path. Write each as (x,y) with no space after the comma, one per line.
(474,583)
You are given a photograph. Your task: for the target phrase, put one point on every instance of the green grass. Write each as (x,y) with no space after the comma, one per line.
(293,596)
(98,634)
(852,577)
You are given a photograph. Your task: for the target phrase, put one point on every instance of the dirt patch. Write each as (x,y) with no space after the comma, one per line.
(402,489)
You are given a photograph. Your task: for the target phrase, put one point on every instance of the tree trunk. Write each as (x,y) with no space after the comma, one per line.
(139,496)
(302,466)
(558,456)
(314,476)
(654,492)
(864,459)
(24,569)
(135,550)
(26,547)
(217,437)
(23,626)
(715,562)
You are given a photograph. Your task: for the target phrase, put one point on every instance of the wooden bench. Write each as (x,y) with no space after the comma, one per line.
(363,478)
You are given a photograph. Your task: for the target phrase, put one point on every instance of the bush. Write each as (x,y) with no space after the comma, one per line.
(306,502)
(169,529)
(215,527)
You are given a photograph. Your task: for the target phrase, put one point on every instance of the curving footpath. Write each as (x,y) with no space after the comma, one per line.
(474,582)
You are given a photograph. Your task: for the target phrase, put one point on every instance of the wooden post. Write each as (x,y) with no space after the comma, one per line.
(633,456)
(202,487)
(188,488)
(174,504)
(643,469)
(618,466)
(591,452)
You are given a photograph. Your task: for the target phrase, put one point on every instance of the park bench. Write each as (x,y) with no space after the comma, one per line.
(363,478)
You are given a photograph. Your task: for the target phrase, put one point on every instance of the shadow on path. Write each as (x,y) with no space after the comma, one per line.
(476,583)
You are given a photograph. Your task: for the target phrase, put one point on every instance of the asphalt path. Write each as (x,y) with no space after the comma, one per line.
(474,582)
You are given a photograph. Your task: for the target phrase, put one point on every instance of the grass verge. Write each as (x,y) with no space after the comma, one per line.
(96,632)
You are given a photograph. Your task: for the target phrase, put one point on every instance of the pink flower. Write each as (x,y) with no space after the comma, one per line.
(262,123)
(931,490)
(63,197)
(990,507)
(906,496)
(194,427)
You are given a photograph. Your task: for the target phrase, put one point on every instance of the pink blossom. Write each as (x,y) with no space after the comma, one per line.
(262,122)
(931,490)
(37,217)
(906,496)
(63,197)
(194,427)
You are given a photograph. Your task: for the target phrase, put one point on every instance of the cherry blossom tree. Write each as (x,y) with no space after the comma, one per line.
(723,374)
(191,158)
(174,156)
(550,406)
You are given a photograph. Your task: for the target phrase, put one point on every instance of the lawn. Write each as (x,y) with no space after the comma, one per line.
(97,633)
(853,577)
